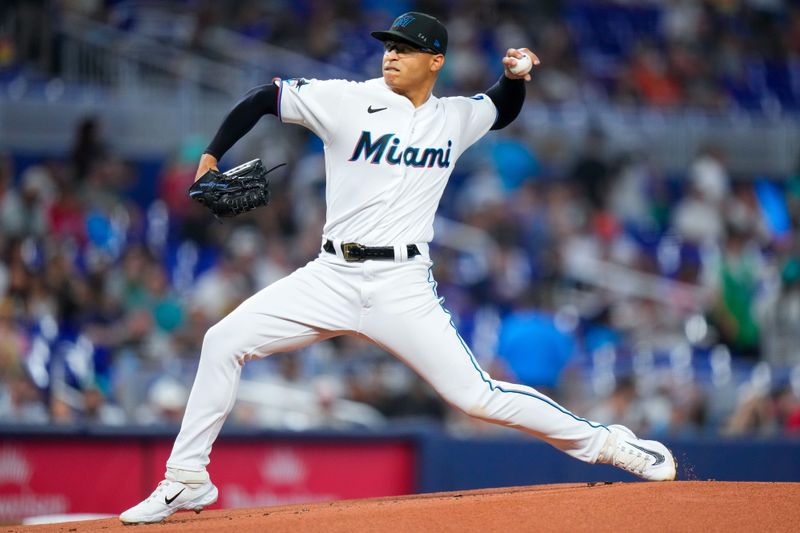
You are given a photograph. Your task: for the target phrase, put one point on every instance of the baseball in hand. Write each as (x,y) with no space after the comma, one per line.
(523,66)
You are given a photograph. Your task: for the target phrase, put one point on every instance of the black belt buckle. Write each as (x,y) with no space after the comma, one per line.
(353,252)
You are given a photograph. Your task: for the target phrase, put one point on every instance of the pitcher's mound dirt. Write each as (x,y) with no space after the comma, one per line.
(677,506)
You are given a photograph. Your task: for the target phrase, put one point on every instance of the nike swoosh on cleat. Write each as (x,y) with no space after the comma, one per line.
(170,500)
(658,457)
(370,110)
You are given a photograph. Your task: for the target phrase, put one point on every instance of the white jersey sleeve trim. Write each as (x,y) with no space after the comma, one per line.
(279,83)
(496,111)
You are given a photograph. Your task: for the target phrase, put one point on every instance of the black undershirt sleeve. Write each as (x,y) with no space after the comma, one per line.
(508,96)
(259,101)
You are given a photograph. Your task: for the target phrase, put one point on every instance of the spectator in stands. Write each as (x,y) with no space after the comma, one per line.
(514,160)
(159,300)
(61,412)
(591,172)
(699,217)
(223,287)
(534,349)
(21,401)
(736,278)
(559,79)
(67,217)
(96,409)
(18,280)
(787,405)
(651,77)
(87,149)
(11,217)
(105,185)
(166,402)
(175,179)
(755,414)
(631,196)
(622,406)
(14,341)
(23,211)
(688,409)
(708,173)
(786,334)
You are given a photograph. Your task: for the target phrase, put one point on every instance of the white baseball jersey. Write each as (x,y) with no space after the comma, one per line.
(387,162)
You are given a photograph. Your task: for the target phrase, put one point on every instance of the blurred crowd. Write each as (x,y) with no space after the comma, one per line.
(670,303)
(710,54)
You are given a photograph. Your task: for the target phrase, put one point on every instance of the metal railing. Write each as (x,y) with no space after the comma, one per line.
(97,55)
(137,65)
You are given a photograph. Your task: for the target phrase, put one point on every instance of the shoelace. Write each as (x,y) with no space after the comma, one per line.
(159,489)
(630,458)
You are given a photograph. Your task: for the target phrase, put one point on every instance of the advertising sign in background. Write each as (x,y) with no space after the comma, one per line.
(76,475)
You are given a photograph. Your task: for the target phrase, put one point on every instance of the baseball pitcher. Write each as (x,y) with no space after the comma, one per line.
(390,146)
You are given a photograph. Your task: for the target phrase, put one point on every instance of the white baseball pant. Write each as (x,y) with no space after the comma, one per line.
(393,304)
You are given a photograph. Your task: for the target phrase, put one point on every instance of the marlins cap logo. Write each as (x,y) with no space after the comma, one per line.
(403,21)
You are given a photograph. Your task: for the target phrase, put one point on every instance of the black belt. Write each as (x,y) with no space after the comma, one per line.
(356,253)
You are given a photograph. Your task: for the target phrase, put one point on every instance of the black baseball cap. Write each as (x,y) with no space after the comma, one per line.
(416,29)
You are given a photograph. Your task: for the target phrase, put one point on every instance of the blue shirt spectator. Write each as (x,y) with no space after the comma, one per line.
(534,348)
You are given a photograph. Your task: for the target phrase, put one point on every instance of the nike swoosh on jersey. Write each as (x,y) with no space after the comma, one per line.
(370,110)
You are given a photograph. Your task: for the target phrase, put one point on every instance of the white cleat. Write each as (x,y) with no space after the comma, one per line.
(648,459)
(168,498)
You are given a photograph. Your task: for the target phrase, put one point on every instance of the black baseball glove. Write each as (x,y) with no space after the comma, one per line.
(234,192)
